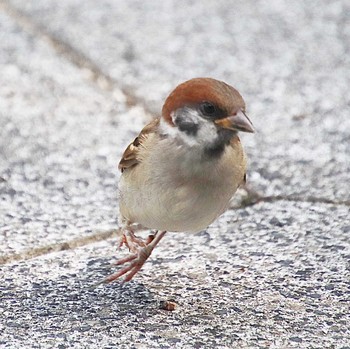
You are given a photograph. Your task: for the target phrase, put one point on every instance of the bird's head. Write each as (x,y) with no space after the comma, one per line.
(205,112)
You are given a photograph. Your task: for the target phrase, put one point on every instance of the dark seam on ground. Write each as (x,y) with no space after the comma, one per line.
(60,246)
(99,236)
(311,199)
(254,197)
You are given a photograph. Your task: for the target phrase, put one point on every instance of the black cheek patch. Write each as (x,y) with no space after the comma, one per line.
(186,126)
(216,149)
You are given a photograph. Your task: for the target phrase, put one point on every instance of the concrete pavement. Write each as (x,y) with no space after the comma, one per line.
(78,80)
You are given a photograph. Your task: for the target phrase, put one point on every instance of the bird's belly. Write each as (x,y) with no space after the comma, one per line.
(190,208)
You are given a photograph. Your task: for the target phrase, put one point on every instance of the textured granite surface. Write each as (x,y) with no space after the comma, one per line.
(291,62)
(78,80)
(60,142)
(278,281)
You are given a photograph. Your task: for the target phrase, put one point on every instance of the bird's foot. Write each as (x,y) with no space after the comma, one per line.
(140,251)
(131,241)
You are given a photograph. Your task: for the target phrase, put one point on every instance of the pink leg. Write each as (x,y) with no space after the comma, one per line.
(131,241)
(140,253)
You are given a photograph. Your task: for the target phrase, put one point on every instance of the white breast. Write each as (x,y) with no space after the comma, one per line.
(185,193)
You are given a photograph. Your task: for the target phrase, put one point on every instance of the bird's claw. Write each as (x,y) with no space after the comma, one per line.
(136,263)
(140,249)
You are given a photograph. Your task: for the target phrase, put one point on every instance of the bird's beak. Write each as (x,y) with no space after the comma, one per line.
(237,122)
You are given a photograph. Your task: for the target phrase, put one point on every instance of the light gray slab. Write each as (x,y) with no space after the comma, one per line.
(272,275)
(289,60)
(60,142)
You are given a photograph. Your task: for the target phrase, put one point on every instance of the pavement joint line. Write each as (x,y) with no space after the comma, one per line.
(60,246)
(73,55)
(311,199)
(103,235)
(254,197)
(251,201)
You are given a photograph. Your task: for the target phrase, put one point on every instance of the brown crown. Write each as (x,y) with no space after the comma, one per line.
(198,90)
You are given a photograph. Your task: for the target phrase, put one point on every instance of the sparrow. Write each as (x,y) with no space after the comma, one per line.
(180,173)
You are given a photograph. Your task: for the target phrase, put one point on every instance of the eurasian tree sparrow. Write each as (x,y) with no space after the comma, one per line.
(181,171)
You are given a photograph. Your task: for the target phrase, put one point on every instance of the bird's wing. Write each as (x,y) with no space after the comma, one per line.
(130,156)
(240,158)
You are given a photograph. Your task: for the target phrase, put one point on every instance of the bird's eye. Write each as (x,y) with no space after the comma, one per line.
(208,108)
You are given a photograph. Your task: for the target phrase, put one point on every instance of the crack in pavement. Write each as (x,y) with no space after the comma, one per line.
(254,197)
(103,235)
(311,199)
(60,246)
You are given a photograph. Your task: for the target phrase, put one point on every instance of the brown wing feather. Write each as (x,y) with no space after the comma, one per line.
(130,156)
(234,142)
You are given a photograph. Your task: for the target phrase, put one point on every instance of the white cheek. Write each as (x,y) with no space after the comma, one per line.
(167,129)
(207,132)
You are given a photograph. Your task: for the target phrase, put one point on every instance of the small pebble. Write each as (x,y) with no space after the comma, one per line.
(169,305)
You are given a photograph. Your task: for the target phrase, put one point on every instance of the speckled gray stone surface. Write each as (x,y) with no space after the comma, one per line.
(60,141)
(278,281)
(272,275)
(291,62)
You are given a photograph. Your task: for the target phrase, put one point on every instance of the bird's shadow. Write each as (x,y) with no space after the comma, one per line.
(71,300)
